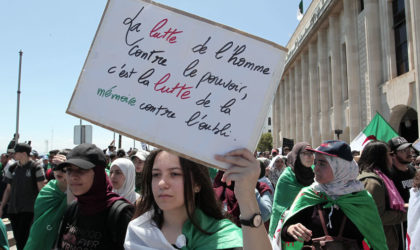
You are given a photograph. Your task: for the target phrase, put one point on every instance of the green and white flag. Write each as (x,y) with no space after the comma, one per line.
(378,129)
(300,11)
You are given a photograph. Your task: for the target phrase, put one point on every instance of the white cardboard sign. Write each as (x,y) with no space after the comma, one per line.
(177,81)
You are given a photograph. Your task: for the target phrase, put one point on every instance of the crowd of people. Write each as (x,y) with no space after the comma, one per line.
(303,197)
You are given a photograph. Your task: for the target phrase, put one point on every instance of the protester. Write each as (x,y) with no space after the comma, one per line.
(402,172)
(94,220)
(413,217)
(375,164)
(274,152)
(285,150)
(417,163)
(295,177)
(335,195)
(138,161)
(122,175)
(275,169)
(178,208)
(50,206)
(24,180)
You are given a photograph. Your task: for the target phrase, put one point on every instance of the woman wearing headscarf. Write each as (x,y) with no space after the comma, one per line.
(275,169)
(296,176)
(335,202)
(123,175)
(92,221)
(375,164)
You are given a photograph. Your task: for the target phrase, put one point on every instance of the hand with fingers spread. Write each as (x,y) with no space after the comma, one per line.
(59,158)
(299,232)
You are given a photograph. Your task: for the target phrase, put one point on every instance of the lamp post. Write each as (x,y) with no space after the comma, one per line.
(338,132)
(18,98)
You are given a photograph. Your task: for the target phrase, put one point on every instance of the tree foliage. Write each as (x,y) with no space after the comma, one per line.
(266,142)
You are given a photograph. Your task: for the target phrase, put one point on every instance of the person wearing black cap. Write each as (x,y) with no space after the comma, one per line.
(24,180)
(336,204)
(402,172)
(95,220)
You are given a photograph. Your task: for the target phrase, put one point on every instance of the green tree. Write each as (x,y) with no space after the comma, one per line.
(266,142)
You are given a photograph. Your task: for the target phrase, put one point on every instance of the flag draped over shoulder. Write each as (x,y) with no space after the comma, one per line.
(359,207)
(378,129)
(50,206)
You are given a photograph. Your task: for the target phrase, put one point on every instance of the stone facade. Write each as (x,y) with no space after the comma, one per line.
(341,69)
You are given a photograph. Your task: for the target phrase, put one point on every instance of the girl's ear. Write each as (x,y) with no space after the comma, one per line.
(196,188)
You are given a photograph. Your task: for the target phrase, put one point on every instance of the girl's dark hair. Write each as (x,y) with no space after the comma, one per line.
(375,156)
(192,173)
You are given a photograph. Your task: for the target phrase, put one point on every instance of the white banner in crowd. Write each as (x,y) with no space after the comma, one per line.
(177,81)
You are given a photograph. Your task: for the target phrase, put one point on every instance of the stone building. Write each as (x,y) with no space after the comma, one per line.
(347,60)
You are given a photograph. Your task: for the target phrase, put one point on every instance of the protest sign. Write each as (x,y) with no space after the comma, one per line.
(177,81)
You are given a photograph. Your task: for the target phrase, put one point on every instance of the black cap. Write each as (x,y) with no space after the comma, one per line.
(334,148)
(85,156)
(23,147)
(34,153)
(398,143)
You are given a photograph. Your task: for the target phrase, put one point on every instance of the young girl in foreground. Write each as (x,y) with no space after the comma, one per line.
(178,209)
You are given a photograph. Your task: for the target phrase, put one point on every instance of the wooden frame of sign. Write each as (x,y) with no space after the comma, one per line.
(177,81)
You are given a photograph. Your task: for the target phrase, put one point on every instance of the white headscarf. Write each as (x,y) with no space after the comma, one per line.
(128,188)
(345,178)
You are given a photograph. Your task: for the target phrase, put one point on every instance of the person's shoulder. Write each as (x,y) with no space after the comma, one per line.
(144,220)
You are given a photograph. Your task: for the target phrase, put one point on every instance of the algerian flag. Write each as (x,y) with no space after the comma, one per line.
(378,129)
(300,11)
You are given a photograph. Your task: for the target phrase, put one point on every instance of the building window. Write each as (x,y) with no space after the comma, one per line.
(361,5)
(345,86)
(400,36)
(269,131)
(269,121)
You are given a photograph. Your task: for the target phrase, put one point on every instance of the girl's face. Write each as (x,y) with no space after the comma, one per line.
(279,164)
(117,177)
(306,158)
(323,171)
(168,182)
(60,176)
(79,180)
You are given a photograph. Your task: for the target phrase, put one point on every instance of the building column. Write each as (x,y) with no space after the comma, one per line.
(415,30)
(283,116)
(314,95)
(288,122)
(274,115)
(373,56)
(323,83)
(292,116)
(334,45)
(298,101)
(306,108)
(350,26)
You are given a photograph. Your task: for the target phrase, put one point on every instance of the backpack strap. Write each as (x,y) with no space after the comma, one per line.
(321,217)
(113,217)
(324,227)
